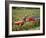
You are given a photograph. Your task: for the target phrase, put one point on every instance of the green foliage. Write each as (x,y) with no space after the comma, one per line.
(27,26)
(16,19)
(37,25)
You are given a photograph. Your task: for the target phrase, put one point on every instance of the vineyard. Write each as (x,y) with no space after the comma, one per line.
(25,18)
